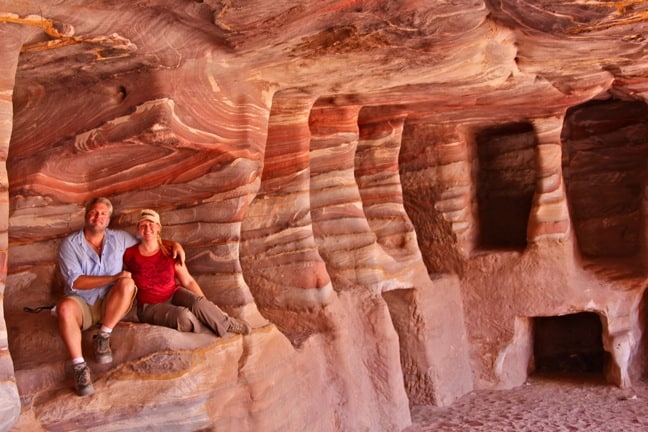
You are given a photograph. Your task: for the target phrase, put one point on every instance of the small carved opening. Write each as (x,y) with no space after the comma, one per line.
(569,344)
(506,179)
(639,364)
(604,164)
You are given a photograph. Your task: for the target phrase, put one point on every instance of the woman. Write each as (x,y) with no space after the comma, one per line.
(161,300)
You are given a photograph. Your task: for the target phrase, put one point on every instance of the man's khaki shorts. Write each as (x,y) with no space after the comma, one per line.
(93,314)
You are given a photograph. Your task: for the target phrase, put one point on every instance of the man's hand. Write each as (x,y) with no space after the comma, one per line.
(178,253)
(91,282)
(123,274)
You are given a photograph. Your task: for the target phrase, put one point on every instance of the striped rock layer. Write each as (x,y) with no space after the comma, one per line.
(393,194)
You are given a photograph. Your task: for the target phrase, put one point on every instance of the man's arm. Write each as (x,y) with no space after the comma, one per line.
(84,282)
(71,263)
(177,251)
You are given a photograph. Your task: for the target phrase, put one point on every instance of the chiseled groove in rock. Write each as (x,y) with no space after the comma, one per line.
(291,274)
(437,193)
(376,172)
(344,237)
(286,159)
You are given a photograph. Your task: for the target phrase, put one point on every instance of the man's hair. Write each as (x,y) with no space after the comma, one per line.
(101,200)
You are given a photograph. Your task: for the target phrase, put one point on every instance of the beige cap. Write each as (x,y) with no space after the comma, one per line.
(149,215)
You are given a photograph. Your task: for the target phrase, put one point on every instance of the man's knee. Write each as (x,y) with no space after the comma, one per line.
(66,308)
(69,312)
(124,287)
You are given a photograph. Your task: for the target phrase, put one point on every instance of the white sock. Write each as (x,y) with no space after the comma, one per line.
(77,360)
(105,329)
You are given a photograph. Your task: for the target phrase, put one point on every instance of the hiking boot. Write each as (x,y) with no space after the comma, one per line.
(103,354)
(238,326)
(82,380)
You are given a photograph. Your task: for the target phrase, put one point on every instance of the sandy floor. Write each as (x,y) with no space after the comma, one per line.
(548,404)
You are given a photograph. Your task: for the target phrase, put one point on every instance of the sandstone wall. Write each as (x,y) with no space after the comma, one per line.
(390,192)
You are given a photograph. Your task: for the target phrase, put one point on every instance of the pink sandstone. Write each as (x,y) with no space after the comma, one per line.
(391,192)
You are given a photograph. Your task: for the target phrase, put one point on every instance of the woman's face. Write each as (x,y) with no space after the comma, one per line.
(148,229)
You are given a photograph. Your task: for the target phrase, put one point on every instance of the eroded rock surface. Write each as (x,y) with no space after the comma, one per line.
(390,192)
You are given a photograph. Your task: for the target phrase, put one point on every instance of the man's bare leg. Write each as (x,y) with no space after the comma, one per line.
(116,306)
(70,320)
(118,302)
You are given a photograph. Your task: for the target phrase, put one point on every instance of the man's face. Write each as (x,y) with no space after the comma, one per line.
(98,217)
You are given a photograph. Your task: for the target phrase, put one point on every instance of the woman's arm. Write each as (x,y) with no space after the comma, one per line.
(186,280)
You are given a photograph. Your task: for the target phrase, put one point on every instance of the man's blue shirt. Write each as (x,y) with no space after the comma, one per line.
(77,258)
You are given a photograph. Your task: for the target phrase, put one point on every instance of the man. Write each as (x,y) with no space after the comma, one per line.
(97,290)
